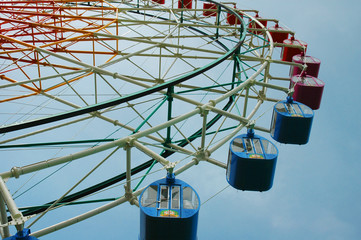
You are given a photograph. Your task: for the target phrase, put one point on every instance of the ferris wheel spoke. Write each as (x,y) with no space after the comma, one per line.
(74,186)
(149,24)
(23,82)
(170,147)
(116,77)
(227,115)
(99,115)
(184,137)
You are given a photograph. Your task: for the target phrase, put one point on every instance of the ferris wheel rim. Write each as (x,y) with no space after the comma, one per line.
(132,96)
(165,85)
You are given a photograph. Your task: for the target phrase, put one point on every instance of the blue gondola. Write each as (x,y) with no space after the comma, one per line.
(22,235)
(291,122)
(169,210)
(251,162)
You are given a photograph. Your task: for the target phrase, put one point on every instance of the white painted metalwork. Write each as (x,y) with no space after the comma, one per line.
(151,80)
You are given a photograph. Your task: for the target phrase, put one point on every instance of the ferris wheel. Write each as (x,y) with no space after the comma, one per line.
(99,99)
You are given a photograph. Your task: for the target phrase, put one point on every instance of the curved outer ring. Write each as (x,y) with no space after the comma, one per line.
(116,101)
(96,107)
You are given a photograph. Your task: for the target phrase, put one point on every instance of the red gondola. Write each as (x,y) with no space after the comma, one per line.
(289,51)
(185,4)
(307,90)
(210,6)
(253,24)
(277,33)
(313,65)
(232,19)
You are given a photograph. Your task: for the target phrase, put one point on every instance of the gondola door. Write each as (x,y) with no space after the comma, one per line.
(169,201)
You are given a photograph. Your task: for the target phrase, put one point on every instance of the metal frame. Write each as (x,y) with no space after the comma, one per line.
(42,43)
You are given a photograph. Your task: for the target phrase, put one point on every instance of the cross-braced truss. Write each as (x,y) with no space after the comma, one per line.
(87,80)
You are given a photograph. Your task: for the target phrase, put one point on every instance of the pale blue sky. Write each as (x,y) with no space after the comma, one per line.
(317,187)
(316,191)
